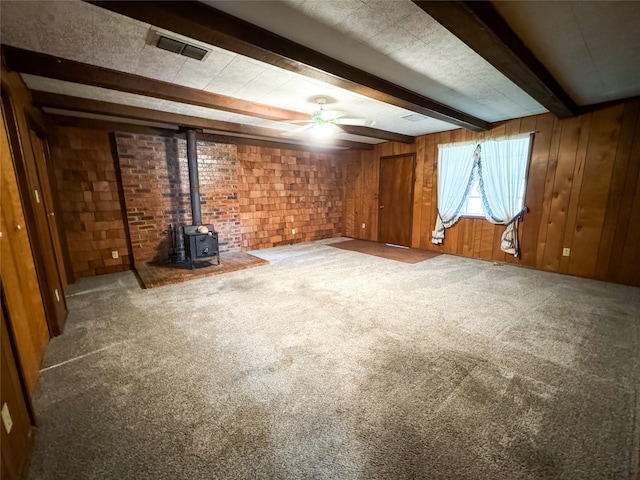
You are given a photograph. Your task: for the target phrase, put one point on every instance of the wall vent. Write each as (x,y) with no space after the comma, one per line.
(414,117)
(181,48)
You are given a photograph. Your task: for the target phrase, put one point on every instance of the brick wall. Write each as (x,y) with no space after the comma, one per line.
(155,181)
(281,190)
(89,198)
(255,196)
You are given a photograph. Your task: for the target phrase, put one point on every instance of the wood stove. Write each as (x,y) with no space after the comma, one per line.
(201,246)
(196,243)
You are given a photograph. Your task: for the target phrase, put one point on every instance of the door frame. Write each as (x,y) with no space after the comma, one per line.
(46,279)
(413,188)
(48,172)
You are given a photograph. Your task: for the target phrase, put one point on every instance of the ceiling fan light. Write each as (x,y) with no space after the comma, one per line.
(322,131)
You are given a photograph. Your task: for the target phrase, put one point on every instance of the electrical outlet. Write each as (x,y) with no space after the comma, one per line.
(6,418)
(364,225)
(114,254)
(566,252)
(293,231)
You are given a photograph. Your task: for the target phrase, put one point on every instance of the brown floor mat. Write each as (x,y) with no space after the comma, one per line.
(407,255)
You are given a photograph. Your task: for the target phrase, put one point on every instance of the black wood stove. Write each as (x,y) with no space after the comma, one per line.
(196,243)
(201,246)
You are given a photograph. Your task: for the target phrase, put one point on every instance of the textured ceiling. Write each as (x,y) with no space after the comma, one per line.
(591,48)
(397,41)
(587,46)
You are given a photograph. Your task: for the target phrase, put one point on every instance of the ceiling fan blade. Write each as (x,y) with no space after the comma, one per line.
(330,115)
(296,131)
(360,122)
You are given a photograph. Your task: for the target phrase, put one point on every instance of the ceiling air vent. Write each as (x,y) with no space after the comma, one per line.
(414,117)
(176,46)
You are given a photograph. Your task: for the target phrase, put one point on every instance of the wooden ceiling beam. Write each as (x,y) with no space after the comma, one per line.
(113,126)
(480,26)
(375,133)
(214,27)
(43,65)
(65,102)
(109,125)
(211,137)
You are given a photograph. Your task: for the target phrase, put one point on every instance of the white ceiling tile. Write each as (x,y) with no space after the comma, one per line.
(392,9)
(159,64)
(584,45)
(392,39)
(13,20)
(198,74)
(55,36)
(330,12)
(364,23)
(270,79)
(235,75)
(420,24)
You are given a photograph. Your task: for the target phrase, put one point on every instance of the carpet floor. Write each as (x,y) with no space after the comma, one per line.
(330,364)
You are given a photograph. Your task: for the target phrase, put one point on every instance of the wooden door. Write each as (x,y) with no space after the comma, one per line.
(19,277)
(396,199)
(19,153)
(44,176)
(17,422)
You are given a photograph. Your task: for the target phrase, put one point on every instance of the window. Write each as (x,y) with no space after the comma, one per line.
(485,179)
(473,206)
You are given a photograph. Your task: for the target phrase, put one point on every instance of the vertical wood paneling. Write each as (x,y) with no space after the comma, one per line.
(626,221)
(536,180)
(561,193)
(628,264)
(616,191)
(416,231)
(630,267)
(545,217)
(429,207)
(598,169)
(582,193)
(578,173)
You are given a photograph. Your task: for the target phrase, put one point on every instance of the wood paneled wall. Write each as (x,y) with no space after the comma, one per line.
(583,193)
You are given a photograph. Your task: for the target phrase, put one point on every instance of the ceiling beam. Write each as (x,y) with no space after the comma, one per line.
(48,66)
(65,102)
(480,26)
(214,27)
(113,126)
(210,137)
(43,65)
(109,125)
(375,133)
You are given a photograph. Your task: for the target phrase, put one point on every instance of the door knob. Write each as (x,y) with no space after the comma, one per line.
(381,206)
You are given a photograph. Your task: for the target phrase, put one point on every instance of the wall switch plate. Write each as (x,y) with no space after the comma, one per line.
(364,225)
(114,254)
(566,252)
(293,231)
(6,418)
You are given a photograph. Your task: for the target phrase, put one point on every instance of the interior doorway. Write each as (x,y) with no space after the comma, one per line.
(397,176)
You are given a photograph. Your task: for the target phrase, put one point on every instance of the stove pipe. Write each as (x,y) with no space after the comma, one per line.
(194,183)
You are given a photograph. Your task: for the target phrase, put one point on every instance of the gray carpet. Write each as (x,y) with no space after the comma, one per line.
(330,364)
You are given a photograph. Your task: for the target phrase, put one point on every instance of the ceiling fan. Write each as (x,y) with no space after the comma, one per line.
(326,123)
